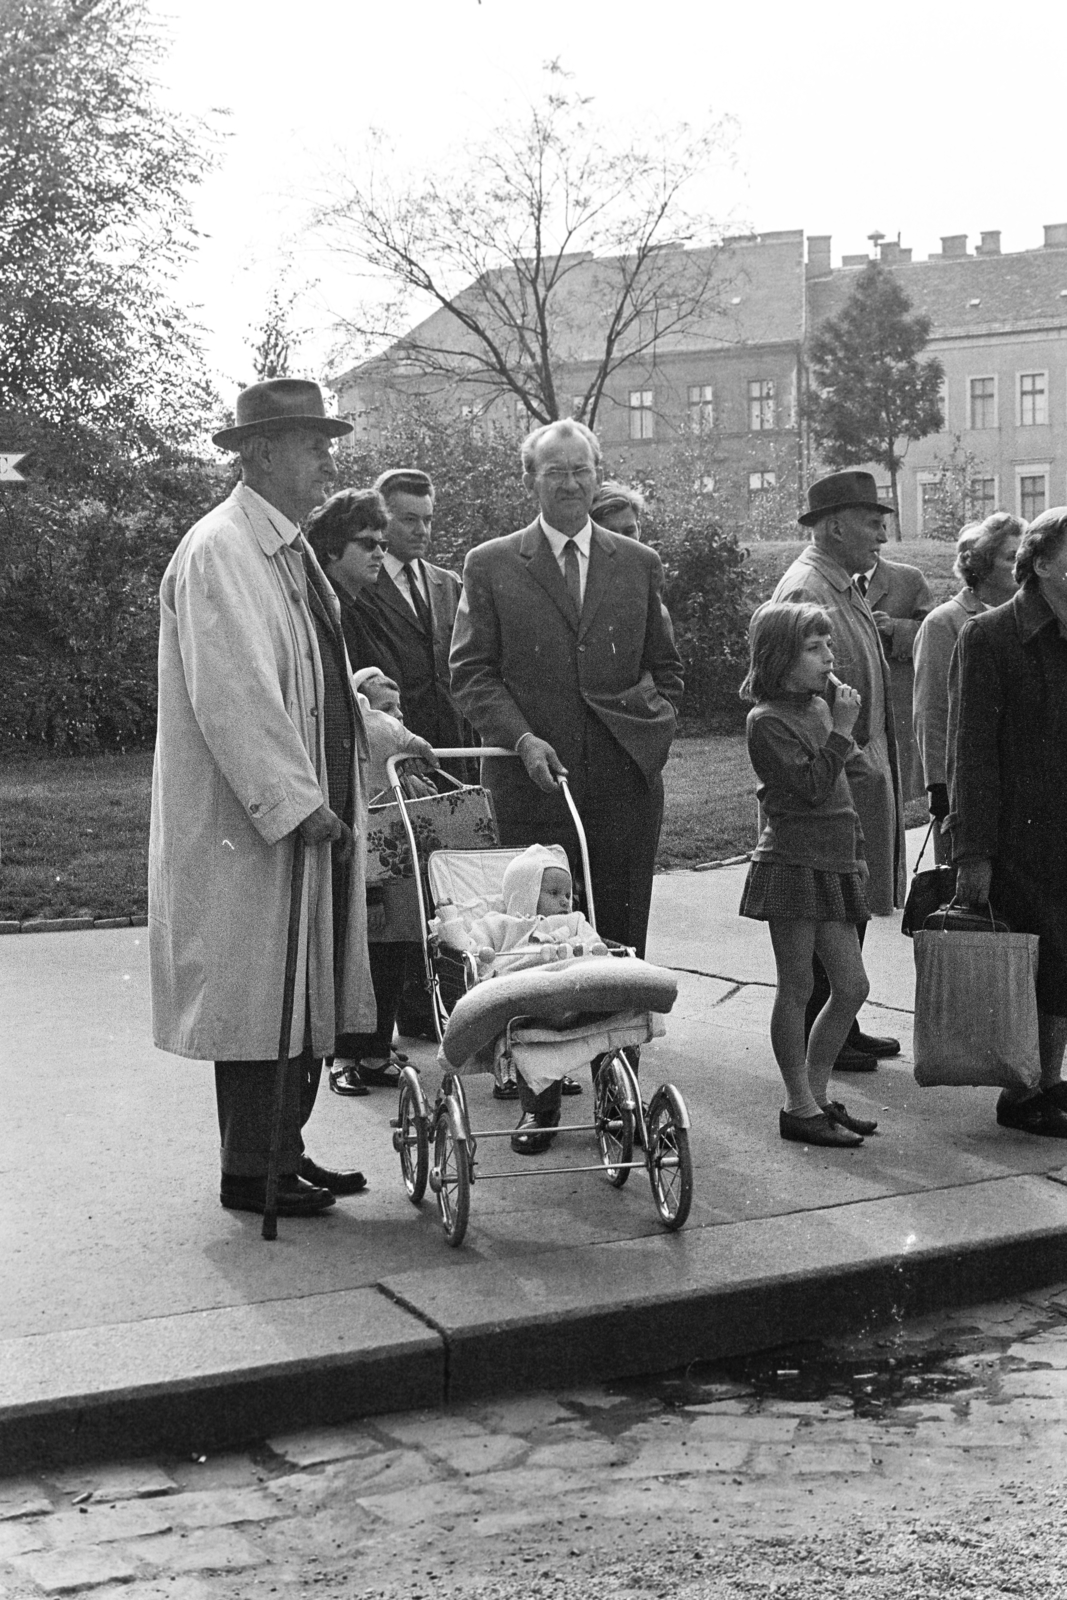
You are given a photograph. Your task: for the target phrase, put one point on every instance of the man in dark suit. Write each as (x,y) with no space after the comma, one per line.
(411,609)
(563,651)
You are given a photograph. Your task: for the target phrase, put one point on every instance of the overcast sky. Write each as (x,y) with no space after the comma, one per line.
(919,118)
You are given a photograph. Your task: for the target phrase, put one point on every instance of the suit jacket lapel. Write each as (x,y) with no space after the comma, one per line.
(599,578)
(536,554)
(389,597)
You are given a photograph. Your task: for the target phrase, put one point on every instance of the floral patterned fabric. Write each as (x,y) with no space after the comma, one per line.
(461,819)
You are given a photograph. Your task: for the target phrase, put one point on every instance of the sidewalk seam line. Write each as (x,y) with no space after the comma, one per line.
(400,1300)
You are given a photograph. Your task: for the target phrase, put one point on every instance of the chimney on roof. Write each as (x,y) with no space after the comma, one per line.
(953,244)
(990,245)
(1055,235)
(893,253)
(818,255)
(854,261)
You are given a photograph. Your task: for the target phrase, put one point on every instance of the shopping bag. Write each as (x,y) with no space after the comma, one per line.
(460,818)
(927,891)
(975,1010)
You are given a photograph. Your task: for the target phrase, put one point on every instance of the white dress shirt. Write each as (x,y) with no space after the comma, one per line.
(396,571)
(581,541)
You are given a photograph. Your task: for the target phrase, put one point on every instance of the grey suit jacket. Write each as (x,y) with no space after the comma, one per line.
(522,660)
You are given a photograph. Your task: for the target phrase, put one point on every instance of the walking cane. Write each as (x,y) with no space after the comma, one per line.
(296,895)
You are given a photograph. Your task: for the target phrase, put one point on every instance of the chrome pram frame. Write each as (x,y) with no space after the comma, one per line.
(620,1121)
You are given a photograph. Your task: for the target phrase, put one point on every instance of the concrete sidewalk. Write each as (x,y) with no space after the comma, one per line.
(137,1313)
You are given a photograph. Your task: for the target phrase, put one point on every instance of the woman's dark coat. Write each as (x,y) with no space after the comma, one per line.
(1007,750)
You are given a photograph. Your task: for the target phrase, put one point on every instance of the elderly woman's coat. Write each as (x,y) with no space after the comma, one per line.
(1008,772)
(240,761)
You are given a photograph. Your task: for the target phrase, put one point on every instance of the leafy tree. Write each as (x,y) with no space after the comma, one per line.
(94,181)
(548,218)
(953,499)
(276,339)
(872,393)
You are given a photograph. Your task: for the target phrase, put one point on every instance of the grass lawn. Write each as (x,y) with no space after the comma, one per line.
(74,835)
(74,830)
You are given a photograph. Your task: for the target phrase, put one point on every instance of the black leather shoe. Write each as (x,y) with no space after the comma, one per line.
(295,1197)
(1037,1115)
(533,1133)
(345,1079)
(852,1060)
(873,1044)
(816,1130)
(837,1114)
(508,1090)
(568,1086)
(335,1182)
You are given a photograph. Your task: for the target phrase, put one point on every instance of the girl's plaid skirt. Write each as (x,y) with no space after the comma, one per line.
(803,894)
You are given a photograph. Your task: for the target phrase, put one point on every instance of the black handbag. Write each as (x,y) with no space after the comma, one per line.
(927,892)
(956,918)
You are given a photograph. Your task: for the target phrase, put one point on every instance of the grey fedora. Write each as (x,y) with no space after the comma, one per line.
(839,491)
(276,405)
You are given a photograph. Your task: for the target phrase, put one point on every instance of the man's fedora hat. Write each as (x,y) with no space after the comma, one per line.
(278,404)
(839,491)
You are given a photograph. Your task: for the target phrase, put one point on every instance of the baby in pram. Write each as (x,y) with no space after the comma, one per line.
(537,924)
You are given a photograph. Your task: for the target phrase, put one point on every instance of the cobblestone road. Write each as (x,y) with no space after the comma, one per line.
(938,1471)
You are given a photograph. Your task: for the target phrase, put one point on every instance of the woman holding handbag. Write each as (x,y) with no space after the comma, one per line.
(1007,778)
(985,565)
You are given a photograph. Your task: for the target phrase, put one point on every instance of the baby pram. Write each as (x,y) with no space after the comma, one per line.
(539,1022)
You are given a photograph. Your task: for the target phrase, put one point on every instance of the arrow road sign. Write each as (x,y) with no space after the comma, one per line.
(8,463)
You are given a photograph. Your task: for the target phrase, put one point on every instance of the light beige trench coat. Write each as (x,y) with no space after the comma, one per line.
(872,771)
(240,761)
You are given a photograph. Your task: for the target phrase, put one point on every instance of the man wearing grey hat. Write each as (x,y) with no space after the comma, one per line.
(259,737)
(847,523)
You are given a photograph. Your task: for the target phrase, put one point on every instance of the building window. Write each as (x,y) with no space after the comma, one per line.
(760,482)
(929,504)
(983,412)
(701,410)
(760,404)
(1033,399)
(983,495)
(642,418)
(1033,494)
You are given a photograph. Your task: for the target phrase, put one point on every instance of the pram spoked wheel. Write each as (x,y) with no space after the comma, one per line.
(614,1111)
(670,1166)
(450,1177)
(410,1138)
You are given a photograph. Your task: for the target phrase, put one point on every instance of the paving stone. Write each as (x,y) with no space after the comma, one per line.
(832,1406)
(597,1399)
(525,1413)
(446,1500)
(307,1492)
(380,1474)
(215,1508)
(487,1453)
(200,1550)
(18,1538)
(1045,1349)
(63,1571)
(1038,1383)
(105,1523)
(173,1587)
(668,1457)
(429,1429)
(753,1429)
(123,1481)
(329,1534)
(576,1454)
(811,1458)
(22,1497)
(729,1407)
(314,1447)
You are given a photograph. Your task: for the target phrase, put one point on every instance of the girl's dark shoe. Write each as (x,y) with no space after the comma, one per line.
(1038,1115)
(534,1133)
(841,1119)
(817,1130)
(345,1079)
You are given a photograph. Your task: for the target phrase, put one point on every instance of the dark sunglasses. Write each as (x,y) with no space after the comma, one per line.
(367,541)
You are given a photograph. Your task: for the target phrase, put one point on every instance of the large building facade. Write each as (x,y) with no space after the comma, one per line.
(735,380)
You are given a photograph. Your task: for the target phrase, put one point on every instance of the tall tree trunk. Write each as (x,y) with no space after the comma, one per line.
(895,499)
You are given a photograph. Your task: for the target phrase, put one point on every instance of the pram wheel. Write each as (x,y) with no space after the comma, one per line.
(670,1166)
(614,1121)
(410,1138)
(450,1179)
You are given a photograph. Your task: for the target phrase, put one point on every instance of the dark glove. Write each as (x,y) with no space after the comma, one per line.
(938,793)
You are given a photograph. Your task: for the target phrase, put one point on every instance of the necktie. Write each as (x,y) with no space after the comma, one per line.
(422,610)
(862,581)
(572,576)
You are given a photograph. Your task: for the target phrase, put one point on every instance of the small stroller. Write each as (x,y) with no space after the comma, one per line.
(539,1023)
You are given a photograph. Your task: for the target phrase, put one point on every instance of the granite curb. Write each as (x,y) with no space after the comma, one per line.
(70,924)
(208,1380)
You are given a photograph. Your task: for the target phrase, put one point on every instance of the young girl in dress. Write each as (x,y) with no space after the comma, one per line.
(808,871)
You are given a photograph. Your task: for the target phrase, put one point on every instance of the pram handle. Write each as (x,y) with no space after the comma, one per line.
(477,752)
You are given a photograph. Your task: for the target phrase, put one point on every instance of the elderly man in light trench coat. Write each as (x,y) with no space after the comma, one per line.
(848,530)
(259,735)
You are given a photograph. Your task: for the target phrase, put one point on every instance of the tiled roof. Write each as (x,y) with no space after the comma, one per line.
(760,292)
(967,294)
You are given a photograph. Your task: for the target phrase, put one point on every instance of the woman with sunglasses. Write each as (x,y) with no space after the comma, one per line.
(347,535)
